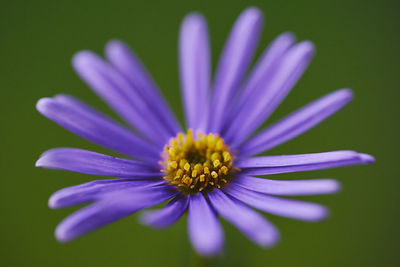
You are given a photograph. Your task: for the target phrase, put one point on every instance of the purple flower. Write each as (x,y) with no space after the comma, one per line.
(208,171)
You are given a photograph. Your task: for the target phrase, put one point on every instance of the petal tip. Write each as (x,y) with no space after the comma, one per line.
(52,203)
(308,46)
(82,58)
(62,235)
(269,241)
(194,17)
(335,186)
(321,214)
(39,162)
(115,47)
(253,11)
(43,104)
(288,36)
(366,158)
(346,93)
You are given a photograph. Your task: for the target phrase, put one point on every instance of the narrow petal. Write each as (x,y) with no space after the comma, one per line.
(114,89)
(127,63)
(94,190)
(288,188)
(263,104)
(298,122)
(194,58)
(235,59)
(302,162)
(205,231)
(294,209)
(84,161)
(94,126)
(166,216)
(252,224)
(113,207)
(262,73)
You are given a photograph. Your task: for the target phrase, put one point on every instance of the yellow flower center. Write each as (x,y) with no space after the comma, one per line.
(197,164)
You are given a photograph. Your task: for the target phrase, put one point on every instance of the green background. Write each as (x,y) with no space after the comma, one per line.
(357,47)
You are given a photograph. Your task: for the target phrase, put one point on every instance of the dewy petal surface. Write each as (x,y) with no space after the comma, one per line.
(127,63)
(205,231)
(194,59)
(94,126)
(235,59)
(262,105)
(297,123)
(115,90)
(294,209)
(95,190)
(252,224)
(84,161)
(288,188)
(111,208)
(166,216)
(303,162)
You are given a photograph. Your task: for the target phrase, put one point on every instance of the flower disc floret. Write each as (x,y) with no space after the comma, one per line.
(197,164)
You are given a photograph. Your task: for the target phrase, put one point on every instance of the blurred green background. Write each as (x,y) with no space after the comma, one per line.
(357,47)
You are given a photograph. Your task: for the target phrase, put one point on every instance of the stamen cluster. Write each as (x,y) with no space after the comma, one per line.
(197,164)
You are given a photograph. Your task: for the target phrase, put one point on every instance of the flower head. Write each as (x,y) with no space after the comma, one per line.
(209,169)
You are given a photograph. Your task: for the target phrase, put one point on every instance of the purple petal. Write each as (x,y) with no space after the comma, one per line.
(252,224)
(94,190)
(302,162)
(114,89)
(166,216)
(84,161)
(298,122)
(278,206)
(262,73)
(126,62)
(288,188)
(263,104)
(94,126)
(111,208)
(205,232)
(233,64)
(194,58)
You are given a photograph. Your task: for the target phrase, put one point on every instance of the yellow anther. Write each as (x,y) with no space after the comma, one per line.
(224,170)
(206,170)
(182,163)
(220,144)
(171,151)
(180,138)
(216,163)
(187,167)
(187,180)
(179,172)
(174,143)
(215,156)
(214,174)
(207,164)
(227,156)
(202,178)
(210,140)
(194,173)
(198,167)
(173,164)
